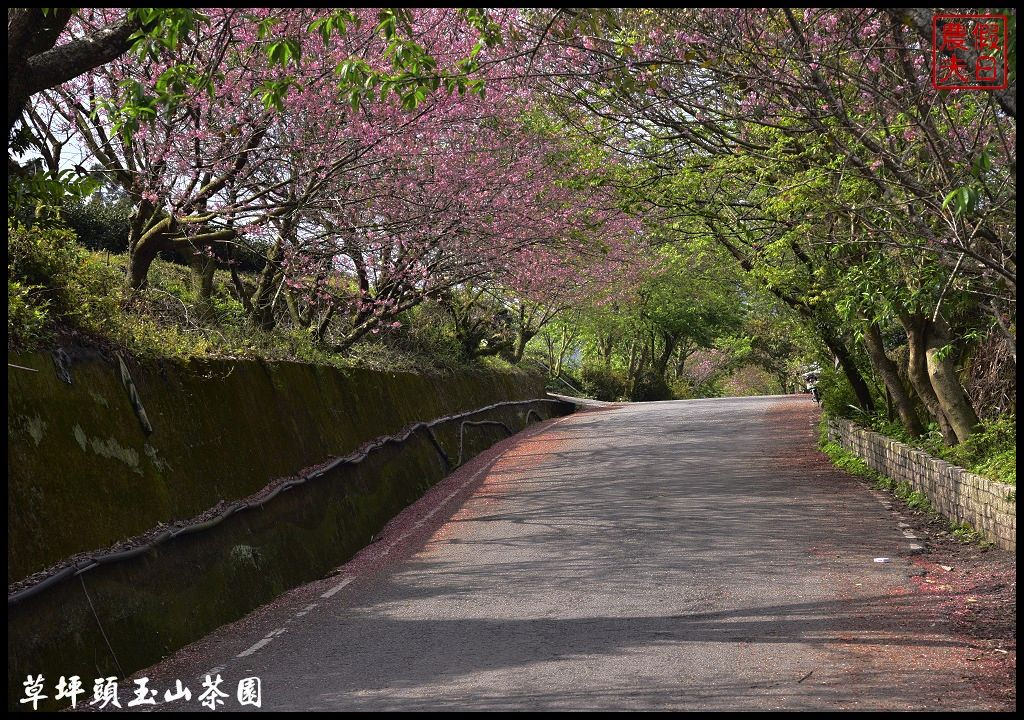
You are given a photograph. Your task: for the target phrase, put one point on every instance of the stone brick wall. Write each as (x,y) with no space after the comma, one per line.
(989,506)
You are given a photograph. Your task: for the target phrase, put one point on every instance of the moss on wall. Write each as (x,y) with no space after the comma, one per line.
(155,603)
(84,475)
(216,435)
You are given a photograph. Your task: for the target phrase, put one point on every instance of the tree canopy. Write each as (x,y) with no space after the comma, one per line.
(651,202)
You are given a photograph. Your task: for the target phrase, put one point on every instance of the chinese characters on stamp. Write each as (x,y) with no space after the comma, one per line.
(969,52)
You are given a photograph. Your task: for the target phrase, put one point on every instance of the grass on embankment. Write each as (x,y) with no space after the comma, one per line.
(60,292)
(914,499)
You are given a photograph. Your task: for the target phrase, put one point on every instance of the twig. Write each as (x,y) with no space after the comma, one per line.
(21,368)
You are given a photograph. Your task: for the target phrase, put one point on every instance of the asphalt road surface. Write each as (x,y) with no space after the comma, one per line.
(693,555)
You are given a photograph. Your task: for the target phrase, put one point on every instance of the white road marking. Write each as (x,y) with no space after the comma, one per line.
(337,587)
(305,610)
(262,643)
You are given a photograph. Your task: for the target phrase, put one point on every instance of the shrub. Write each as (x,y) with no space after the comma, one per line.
(51,280)
(837,397)
(41,257)
(681,389)
(99,225)
(650,386)
(709,388)
(602,383)
(990,451)
(27,315)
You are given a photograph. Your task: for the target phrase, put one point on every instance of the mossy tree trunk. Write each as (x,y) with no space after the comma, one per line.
(203,268)
(917,369)
(268,279)
(943,377)
(888,371)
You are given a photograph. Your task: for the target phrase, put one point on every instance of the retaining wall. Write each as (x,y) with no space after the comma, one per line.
(86,473)
(83,472)
(989,506)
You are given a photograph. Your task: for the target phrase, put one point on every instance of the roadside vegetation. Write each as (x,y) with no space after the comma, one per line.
(66,293)
(991,451)
(913,499)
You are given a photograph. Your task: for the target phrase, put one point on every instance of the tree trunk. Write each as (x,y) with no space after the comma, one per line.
(321,327)
(565,340)
(203,269)
(850,369)
(890,375)
(141,258)
(661,365)
(261,299)
(522,338)
(243,296)
(917,369)
(945,382)
(297,316)
(632,367)
(607,345)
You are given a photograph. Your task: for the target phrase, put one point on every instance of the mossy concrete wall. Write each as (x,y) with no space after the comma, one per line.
(82,473)
(219,432)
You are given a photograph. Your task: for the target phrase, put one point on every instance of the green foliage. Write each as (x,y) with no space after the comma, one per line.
(162,29)
(602,383)
(57,287)
(694,327)
(915,500)
(34,193)
(837,397)
(26,316)
(424,341)
(650,386)
(711,388)
(848,462)
(41,257)
(52,281)
(682,389)
(991,451)
(99,225)
(965,532)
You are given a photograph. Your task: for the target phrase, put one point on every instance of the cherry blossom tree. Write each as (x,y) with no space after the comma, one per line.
(363,206)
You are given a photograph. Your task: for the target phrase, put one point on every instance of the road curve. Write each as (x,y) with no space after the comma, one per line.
(692,555)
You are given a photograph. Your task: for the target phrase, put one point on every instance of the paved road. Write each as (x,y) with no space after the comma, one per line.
(695,555)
